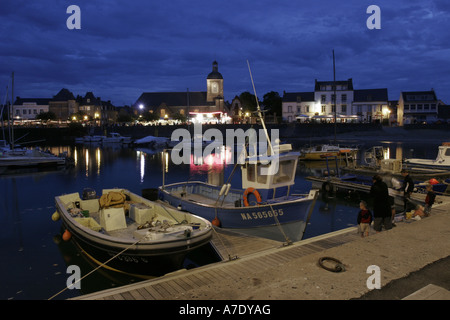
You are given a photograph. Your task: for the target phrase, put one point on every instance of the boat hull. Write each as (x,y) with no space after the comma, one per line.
(425,163)
(139,261)
(293,209)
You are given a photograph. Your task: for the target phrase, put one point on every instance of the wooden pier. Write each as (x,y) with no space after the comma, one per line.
(242,255)
(239,253)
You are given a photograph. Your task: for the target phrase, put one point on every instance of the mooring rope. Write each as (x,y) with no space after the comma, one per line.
(101,265)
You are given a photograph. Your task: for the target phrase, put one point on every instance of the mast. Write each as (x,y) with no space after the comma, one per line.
(259,112)
(10,114)
(335,98)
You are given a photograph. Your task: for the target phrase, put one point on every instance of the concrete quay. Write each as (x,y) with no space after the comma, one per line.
(402,255)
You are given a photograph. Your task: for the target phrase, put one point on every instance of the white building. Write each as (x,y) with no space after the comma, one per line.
(29,108)
(348,105)
(297,106)
(326,101)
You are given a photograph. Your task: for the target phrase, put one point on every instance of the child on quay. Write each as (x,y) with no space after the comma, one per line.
(429,199)
(364,219)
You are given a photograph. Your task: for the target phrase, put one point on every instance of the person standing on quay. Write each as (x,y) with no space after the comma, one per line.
(381,205)
(408,188)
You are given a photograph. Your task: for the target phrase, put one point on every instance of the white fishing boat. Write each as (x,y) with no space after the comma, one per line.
(143,237)
(115,137)
(442,160)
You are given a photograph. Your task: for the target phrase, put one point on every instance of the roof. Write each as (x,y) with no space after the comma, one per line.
(64,95)
(367,95)
(172,99)
(409,96)
(348,82)
(295,96)
(38,101)
(92,99)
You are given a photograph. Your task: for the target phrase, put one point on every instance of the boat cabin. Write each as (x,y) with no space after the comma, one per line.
(273,175)
(444,153)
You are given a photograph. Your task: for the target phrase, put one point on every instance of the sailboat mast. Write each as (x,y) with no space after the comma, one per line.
(335,98)
(10,114)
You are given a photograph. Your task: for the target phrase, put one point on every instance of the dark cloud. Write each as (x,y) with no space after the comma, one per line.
(125,48)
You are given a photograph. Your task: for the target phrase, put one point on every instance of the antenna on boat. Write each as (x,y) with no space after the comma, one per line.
(259,111)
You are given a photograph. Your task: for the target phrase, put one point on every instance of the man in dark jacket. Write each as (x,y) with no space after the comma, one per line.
(407,188)
(381,205)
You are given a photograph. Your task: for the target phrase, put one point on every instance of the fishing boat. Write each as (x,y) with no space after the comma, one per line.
(322,151)
(114,137)
(442,160)
(144,237)
(263,199)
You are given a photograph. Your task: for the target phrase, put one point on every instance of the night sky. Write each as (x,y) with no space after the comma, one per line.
(125,48)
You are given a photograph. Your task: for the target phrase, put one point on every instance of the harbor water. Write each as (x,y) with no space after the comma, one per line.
(34,259)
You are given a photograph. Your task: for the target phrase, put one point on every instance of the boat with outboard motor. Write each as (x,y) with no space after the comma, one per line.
(145,237)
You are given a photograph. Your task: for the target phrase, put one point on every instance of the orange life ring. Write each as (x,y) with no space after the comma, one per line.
(255,193)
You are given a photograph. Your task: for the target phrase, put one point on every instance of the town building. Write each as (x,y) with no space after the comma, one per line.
(371,105)
(63,104)
(298,106)
(25,109)
(101,112)
(66,107)
(417,107)
(203,106)
(335,99)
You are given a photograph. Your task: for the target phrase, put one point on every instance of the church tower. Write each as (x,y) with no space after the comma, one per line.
(214,84)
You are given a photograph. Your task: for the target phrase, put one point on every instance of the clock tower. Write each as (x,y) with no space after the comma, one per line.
(214,84)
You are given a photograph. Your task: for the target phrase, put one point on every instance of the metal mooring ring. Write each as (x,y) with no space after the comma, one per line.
(339,267)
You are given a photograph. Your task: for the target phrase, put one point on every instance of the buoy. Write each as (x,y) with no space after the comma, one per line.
(66,235)
(216,222)
(55,216)
(433,181)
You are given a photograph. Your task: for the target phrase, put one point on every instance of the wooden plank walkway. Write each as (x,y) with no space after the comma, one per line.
(180,282)
(231,245)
